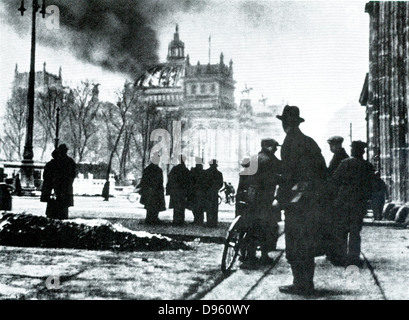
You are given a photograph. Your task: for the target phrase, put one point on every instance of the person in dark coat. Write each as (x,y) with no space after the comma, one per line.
(59,175)
(214,182)
(246,180)
(379,196)
(18,190)
(262,219)
(152,191)
(330,219)
(335,145)
(179,187)
(354,180)
(105,190)
(304,173)
(198,195)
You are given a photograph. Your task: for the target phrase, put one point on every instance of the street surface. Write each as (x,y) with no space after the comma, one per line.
(194,274)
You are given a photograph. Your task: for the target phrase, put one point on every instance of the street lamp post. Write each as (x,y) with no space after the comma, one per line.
(27,166)
(57,128)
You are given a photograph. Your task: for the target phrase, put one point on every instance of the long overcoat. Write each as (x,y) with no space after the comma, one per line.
(151,189)
(300,194)
(267,177)
(59,174)
(179,184)
(213,182)
(355,181)
(197,196)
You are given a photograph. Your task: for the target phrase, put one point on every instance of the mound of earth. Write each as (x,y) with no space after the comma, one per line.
(27,230)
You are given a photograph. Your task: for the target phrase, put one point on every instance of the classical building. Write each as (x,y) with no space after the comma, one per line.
(204,93)
(386,94)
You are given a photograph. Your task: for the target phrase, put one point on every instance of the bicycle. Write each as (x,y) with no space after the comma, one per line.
(230,200)
(234,244)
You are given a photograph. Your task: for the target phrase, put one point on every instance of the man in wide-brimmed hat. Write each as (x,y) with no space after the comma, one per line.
(304,171)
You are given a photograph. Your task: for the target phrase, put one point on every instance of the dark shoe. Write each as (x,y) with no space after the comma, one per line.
(336,262)
(266,260)
(250,263)
(292,289)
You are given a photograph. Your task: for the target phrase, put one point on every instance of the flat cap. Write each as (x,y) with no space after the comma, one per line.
(335,139)
(358,144)
(245,162)
(269,142)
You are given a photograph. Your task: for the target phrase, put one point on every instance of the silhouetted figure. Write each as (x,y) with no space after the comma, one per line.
(304,173)
(335,145)
(379,196)
(197,199)
(178,187)
(105,191)
(57,189)
(228,191)
(152,191)
(262,219)
(5,195)
(354,180)
(18,191)
(214,182)
(330,218)
(246,179)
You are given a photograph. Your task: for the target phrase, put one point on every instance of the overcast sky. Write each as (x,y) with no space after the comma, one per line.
(313,54)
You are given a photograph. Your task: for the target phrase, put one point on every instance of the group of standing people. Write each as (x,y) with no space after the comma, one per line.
(323,207)
(196,189)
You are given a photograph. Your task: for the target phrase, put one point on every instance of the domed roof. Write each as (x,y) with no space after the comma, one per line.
(162,76)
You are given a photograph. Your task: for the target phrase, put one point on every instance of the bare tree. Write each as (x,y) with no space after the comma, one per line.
(119,119)
(83,115)
(50,102)
(14,125)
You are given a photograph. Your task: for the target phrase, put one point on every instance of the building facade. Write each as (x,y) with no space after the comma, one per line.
(386,94)
(217,128)
(43,79)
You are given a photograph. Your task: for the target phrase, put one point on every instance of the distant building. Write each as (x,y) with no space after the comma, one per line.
(386,94)
(218,128)
(43,79)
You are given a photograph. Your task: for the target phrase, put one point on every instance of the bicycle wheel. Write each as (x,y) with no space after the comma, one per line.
(133,197)
(232,243)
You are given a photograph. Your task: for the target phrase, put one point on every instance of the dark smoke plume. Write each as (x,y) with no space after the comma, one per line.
(118,35)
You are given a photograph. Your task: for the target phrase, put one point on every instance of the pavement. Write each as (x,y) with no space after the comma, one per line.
(49,274)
